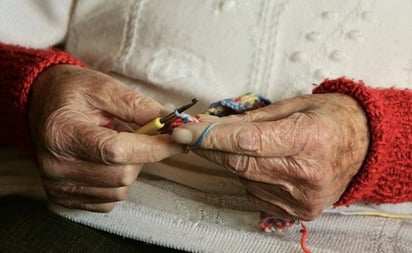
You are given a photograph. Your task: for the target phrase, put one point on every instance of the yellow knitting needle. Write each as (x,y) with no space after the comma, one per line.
(157,123)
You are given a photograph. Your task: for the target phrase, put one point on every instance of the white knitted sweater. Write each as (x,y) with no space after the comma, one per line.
(214,49)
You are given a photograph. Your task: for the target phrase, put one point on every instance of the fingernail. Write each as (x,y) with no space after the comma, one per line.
(182,136)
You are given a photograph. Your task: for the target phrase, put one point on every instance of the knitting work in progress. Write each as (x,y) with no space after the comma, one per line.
(246,102)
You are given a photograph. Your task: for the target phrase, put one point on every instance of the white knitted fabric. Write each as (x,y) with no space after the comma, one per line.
(216,49)
(172,215)
(34,23)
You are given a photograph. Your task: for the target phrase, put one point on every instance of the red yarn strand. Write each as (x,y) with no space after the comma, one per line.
(304,232)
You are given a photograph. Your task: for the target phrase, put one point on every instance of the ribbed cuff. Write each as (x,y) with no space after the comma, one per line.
(19,67)
(386,174)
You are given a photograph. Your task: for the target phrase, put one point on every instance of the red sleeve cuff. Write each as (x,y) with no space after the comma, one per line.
(386,174)
(19,67)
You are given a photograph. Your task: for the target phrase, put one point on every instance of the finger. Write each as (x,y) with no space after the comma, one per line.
(277,110)
(99,144)
(269,208)
(280,138)
(93,207)
(101,207)
(298,177)
(92,174)
(76,193)
(206,118)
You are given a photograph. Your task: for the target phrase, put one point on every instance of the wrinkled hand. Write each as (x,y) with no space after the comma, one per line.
(295,157)
(83,163)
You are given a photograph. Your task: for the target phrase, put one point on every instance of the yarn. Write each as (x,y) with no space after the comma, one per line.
(203,135)
(182,118)
(246,102)
(269,223)
(304,232)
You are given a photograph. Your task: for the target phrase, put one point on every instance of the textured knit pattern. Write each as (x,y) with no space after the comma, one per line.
(386,175)
(19,67)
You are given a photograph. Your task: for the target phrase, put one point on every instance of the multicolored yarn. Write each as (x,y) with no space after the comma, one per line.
(182,118)
(246,102)
(269,223)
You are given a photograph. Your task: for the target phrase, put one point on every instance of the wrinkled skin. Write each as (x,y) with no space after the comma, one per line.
(84,163)
(295,157)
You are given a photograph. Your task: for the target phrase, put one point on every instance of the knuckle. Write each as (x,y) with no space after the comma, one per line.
(112,152)
(138,102)
(309,213)
(248,139)
(121,193)
(126,175)
(127,179)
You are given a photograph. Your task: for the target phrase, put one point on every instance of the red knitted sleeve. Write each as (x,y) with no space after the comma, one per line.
(18,69)
(386,174)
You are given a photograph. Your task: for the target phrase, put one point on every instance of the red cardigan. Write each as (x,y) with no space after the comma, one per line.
(386,174)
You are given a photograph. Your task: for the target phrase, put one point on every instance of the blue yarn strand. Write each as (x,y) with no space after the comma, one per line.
(203,135)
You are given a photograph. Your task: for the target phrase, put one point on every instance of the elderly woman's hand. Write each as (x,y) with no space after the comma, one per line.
(86,161)
(295,157)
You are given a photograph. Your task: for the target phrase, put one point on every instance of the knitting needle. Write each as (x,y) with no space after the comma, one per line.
(157,123)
